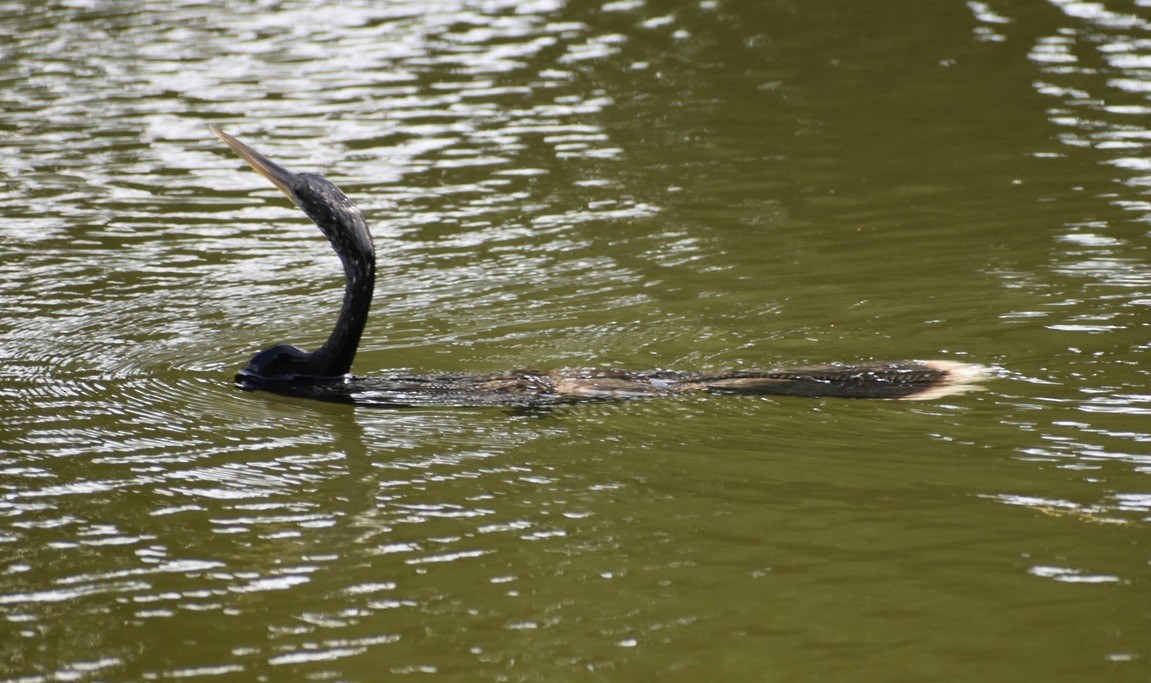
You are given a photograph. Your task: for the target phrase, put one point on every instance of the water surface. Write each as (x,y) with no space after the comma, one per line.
(699,186)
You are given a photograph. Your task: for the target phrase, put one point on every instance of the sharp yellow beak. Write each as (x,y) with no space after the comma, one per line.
(279,175)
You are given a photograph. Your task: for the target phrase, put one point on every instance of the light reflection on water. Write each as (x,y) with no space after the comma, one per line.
(557,185)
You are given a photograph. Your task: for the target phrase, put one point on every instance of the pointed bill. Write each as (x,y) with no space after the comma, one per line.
(279,175)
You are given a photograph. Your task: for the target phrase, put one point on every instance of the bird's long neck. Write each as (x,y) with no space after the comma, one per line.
(335,357)
(344,226)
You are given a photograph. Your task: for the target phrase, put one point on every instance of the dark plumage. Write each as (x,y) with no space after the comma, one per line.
(323,374)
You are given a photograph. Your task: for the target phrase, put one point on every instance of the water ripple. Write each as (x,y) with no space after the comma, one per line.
(547,184)
(116,384)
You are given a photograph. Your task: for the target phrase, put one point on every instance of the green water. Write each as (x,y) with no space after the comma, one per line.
(698,186)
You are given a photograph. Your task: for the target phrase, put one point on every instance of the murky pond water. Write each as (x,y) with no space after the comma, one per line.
(700,186)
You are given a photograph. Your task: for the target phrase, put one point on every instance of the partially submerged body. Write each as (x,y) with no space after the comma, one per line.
(323,374)
(916,380)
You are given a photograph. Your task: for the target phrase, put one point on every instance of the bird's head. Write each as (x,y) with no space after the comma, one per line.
(329,208)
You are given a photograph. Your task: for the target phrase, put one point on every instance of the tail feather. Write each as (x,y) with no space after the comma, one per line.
(914,380)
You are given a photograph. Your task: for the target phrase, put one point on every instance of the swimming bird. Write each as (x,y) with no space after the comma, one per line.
(323,374)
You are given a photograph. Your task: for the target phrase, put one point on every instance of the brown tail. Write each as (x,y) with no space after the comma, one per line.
(914,379)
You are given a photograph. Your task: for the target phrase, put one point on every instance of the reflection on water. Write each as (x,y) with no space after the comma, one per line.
(703,186)
(1091,72)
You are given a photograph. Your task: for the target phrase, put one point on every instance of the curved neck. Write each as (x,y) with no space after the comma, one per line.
(335,357)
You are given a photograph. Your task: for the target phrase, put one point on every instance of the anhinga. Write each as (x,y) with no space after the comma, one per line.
(323,373)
